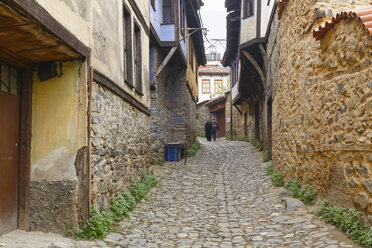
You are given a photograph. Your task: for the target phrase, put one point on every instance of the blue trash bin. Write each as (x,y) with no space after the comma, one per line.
(172,153)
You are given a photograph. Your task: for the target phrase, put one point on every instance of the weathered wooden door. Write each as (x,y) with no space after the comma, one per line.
(9,152)
(221,121)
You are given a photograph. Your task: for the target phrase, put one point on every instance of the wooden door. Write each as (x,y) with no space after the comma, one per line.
(9,151)
(221,123)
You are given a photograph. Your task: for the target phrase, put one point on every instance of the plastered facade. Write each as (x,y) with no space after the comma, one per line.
(99,25)
(58,134)
(323,103)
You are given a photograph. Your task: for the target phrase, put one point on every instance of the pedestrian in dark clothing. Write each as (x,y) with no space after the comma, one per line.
(208,130)
(214,129)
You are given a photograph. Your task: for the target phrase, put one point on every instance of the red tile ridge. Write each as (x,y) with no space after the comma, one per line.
(363,14)
(281,5)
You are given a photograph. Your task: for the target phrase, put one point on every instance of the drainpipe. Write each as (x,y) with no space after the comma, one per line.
(90,137)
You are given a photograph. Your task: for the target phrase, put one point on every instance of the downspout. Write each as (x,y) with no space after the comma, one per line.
(90,137)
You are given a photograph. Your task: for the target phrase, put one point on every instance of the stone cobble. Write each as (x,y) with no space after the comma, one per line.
(221,198)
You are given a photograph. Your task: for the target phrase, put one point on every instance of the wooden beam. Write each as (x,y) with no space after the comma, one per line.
(104,81)
(238,109)
(166,60)
(262,49)
(256,66)
(47,22)
(25,151)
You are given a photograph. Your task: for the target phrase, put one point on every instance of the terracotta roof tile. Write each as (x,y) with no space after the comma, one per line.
(363,14)
(281,5)
(213,70)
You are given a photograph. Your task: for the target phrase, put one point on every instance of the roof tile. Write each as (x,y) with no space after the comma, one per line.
(281,5)
(363,14)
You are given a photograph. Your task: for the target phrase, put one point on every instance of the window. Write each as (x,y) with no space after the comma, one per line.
(218,86)
(167,7)
(191,53)
(248,8)
(127,26)
(153,4)
(9,79)
(206,86)
(137,58)
(234,73)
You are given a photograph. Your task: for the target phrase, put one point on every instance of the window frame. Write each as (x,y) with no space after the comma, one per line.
(127,46)
(209,86)
(247,3)
(137,50)
(171,9)
(216,82)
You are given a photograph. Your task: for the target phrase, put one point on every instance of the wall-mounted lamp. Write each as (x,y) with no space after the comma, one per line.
(48,70)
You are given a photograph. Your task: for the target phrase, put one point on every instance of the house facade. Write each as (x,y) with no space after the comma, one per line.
(214,83)
(176,51)
(248,28)
(314,104)
(75,98)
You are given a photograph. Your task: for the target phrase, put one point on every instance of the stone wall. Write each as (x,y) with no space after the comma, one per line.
(120,144)
(173,109)
(202,116)
(272,67)
(184,113)
(323,104)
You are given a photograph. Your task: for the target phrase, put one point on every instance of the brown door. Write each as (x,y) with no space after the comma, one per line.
(221,123)
(9,153)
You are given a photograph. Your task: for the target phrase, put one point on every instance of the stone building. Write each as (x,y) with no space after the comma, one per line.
(176,51)
(75,101)
(323,101)
(248,29)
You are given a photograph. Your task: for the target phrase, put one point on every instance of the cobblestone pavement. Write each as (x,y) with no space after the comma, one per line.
(221,198)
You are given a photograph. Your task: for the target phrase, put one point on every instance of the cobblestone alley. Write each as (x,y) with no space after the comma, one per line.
(221,198)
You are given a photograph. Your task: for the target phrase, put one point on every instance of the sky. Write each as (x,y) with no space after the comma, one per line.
(213,15)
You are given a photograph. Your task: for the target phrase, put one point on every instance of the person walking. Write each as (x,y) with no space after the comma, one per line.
(208,130)
(214,129)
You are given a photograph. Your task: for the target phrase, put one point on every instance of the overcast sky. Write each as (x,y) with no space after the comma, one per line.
(214,19)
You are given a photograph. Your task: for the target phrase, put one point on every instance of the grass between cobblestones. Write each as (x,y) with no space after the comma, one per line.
(306,193)
(276,177)
(100,223)
(194,148)
(348,221)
